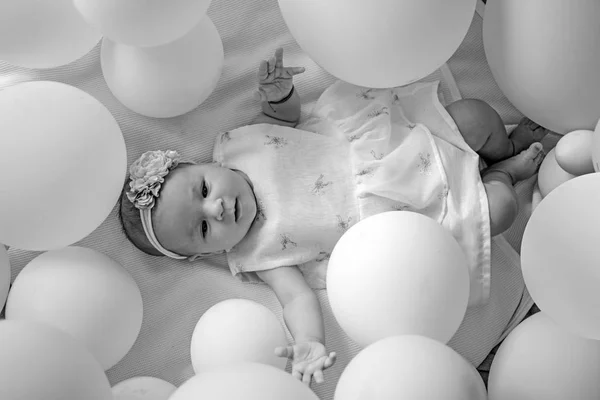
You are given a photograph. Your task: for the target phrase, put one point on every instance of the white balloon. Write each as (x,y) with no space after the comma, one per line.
(71,160)
(551,175)
(84,293)
(573,152)
(596,148)
(168,80)
(379,43)
(402,367)
(40,362)
(143,388)
(143,22)
(544,56)
(5,275)
(237,330)
(560,253)
(540,360)
(248,381)
(43,34)
(398,273)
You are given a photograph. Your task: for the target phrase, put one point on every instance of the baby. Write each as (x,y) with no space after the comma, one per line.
(276,198)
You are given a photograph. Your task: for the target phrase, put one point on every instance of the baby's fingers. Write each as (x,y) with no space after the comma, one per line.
(330,360)
(263,70)
(307,377)
(287,351)
(272,64)
(279,57)
(318,376)
(291,71)
(297,374)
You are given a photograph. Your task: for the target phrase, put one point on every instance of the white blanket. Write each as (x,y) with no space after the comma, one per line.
(176,293)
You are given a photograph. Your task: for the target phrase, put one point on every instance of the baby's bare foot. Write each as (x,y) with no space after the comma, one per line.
(527,133)
(522,166)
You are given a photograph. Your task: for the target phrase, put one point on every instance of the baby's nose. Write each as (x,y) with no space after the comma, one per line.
(216,209)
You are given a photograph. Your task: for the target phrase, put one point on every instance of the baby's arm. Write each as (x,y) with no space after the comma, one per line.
(286,112)
(303,317)
(280,102)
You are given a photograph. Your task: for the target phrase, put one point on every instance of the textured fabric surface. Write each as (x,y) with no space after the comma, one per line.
(177,293)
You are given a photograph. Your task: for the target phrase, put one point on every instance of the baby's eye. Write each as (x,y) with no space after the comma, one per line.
(204,189)
(204,228)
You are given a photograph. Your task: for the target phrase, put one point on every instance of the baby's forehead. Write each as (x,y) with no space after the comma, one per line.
(187,170)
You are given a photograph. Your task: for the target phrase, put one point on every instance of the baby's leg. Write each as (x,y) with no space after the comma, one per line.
(499,179)
(483,130)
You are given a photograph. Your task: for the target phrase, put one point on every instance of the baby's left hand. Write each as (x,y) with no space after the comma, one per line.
(274,80)
(309,359)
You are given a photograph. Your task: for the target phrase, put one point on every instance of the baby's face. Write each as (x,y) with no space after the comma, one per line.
(203,208)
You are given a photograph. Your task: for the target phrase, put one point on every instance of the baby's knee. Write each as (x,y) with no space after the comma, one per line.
(466,109)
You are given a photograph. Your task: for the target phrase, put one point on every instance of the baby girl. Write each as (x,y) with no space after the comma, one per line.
(278,195)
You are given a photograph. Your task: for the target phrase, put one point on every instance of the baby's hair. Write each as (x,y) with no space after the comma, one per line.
(131,221)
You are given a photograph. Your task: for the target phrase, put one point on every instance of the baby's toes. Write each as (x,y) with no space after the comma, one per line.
(534,151)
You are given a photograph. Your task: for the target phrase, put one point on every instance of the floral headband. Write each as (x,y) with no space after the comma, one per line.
(147,174)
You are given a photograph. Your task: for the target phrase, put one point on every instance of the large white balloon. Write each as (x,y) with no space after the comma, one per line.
(545,58)
(398,273)
(248,381)
(237,330)
(540,360)
(67,159)
(143,22)
(379,43)
(43,34)
(40,362)
(409,367)
(5,275)
(560,253)
(551,175)
(168,80)
(84,293)
(143,388)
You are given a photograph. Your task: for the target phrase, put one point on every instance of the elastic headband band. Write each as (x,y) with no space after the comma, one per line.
(146,215)
(147,175)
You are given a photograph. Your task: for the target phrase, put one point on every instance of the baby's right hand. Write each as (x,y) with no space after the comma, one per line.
(309,359)
(274,80)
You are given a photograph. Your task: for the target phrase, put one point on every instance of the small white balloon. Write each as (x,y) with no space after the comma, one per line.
(237,330)
(40,362)
(248,381)
(143,388)
(84,293)
(573,152)
(379,43)
(75,167)
(398,273)
(5,275)
(43,34)
(551,175)
(560,253)
(540,360)
(402,367)
(143,22)
(596,148)
(169,80)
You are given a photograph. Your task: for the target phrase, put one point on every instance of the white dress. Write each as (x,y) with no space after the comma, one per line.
(363,152)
